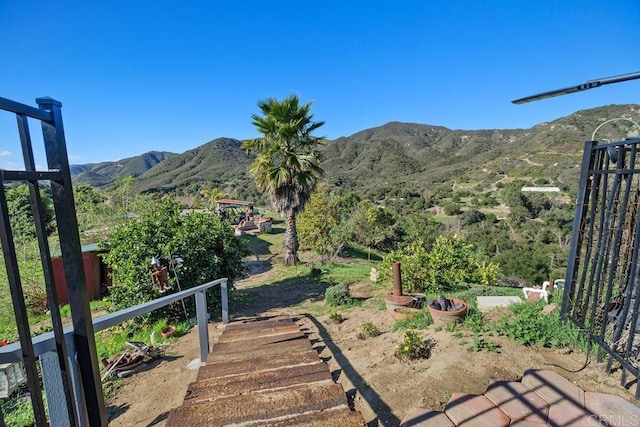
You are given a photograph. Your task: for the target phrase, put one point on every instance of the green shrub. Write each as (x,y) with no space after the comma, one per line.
(335,316)
(17,410)
(480,343)
(531,328)
(419,321)
(337,295)
(412,346)
(205,243)
(368,330)
(450,261)
(474,320)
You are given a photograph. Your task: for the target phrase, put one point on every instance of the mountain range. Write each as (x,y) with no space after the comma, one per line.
(397,159)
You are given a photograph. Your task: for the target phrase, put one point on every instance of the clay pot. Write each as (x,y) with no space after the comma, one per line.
(168,331)
(402,313)
(401,301)
(441,317)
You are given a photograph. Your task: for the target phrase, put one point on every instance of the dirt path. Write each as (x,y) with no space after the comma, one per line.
(377,383)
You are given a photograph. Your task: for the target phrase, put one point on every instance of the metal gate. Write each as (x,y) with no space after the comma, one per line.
(71,371)
(603,273)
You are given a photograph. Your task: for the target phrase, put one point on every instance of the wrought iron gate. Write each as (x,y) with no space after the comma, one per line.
(603,274)
(74,365)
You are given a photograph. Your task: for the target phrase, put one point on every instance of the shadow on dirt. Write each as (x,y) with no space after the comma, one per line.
(257,246)
(382,410)
(114,412)
(361,254)
(281,294)
(159,419)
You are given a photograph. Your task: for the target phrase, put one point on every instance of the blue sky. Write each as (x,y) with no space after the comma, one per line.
(136,76)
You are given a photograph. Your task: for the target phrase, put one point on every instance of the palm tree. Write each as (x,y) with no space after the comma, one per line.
(287,163)
(212,195)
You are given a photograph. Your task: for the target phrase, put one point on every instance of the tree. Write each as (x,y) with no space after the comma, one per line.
(162,231)
(373,226)
(91,210)
(212,195)
(451,260)
(287,163)
(320,226)
(19,207)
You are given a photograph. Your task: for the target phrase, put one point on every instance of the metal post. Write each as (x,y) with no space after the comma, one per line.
(54,390)
(224,296)
(20,310)
(83,333)
(397,279)
(61,370)
(576,235)
(203,325)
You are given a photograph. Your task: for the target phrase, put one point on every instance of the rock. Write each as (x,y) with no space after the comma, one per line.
(549,308)
(456,307)
(443,303)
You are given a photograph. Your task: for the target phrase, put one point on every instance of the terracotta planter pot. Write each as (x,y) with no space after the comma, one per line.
(401,301)
(168,331)
(443,317)
(405,313)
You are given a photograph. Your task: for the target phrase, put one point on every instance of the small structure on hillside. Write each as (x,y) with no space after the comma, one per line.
(97,273)
(242,214)
(234,210)
(541,189)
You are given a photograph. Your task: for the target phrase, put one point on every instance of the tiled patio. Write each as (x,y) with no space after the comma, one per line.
(541,398)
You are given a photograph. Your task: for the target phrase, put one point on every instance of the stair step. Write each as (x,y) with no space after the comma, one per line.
(259,406)
(251,333)
(259,323)
(215,388)
(518,401)
(256,342)
(553,387)
(261,363)
(473,410)
(333,417)
(237,353)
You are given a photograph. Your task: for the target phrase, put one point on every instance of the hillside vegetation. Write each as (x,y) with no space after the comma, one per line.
(396,160)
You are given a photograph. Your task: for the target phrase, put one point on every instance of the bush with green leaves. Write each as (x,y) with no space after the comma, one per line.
(367,330)
(412,346)
(451,260)
(337,295)
(205,243)
(335,316)
(420,320)
(21,216)
(529,327)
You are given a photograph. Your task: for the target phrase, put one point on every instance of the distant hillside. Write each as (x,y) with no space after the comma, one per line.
(396,159)
(104,174)
(405,159)
(221,163)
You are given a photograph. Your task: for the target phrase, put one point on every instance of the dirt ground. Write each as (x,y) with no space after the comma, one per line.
(378,384)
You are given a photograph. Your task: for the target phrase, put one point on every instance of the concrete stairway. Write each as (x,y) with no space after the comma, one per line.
(542,398)
(263,372)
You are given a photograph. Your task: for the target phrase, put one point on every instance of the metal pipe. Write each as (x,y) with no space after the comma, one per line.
(397,279)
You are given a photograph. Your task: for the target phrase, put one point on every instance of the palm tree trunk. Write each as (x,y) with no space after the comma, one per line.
(291,241)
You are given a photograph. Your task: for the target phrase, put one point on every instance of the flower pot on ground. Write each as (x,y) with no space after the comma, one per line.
(402,313)
(442,317)
(392,301)
(168,331)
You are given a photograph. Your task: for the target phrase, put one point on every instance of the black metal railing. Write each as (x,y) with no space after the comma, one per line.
(603,274)
(44,346)
(57,177)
